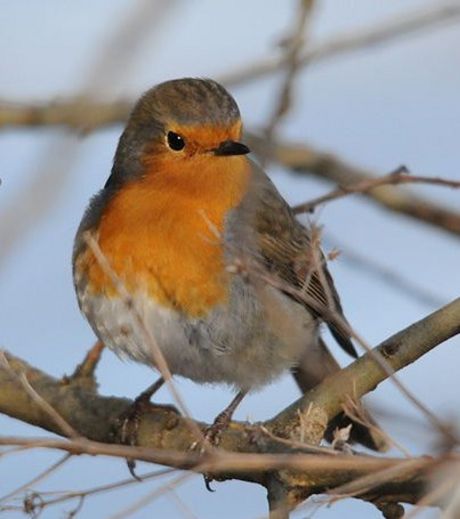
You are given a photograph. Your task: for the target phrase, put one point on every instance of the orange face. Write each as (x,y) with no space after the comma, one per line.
(163,231)
(197,140)
(201,178)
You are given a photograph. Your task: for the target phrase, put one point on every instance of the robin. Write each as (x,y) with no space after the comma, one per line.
(182,212)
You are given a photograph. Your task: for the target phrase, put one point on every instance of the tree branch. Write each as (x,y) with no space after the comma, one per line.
(293,44)
(398,26)
(399,176)
(249,453)
(85,115)
(326,400)
(81,114)
(304,159)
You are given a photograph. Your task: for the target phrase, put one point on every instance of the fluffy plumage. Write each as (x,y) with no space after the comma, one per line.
(174,223)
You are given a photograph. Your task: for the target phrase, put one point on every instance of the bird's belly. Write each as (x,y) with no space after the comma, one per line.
(243,343)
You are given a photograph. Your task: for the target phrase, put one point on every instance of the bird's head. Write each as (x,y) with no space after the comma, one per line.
(183,124)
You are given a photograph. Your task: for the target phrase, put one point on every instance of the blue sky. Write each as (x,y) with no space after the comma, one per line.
(377,108)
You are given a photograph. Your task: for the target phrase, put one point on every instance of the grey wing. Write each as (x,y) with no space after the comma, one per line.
(284,246)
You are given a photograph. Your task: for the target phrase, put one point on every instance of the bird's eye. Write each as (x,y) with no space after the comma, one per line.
(175,141)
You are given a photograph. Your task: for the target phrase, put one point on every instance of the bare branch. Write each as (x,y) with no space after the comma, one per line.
(298,158)
(269,453)
(387,274)
(398,26)
(330,315)
(81,114)
(294,46)
(302,475)
(231,464)
(303,159)
(165,437)
(54,166)
(64,427)
(83,494)
(151,496)
(40,477)
(364,374)
(399,176)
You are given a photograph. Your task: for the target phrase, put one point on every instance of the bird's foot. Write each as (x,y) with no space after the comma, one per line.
(128,422)
(212,434)
(211,438)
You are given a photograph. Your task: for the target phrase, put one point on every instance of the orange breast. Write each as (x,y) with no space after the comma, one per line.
(162,234)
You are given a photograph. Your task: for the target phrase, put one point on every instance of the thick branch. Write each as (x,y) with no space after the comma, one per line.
(165,437)
(364,374)
(68,113)
(80,114)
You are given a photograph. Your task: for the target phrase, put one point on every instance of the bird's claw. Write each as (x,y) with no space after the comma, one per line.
(128,428)
(211,438)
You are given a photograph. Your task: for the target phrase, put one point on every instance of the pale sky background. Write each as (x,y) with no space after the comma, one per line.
(378,108)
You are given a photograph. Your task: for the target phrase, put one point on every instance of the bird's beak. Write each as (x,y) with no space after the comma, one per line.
(231,148)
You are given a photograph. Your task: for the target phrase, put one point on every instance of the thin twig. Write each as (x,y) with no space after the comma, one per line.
(401,25)
(63,425)
(151,496)
(13,113)
(399,176)
(57,158)
(39,477)
(294,45)
(357,379)
(390,276)
(220,461)
(445,429)
(433,496)
(352,410)
(181,504)
(106,488)
(368,482)
(313,449)
(381,363)
(305,160)
(332,316)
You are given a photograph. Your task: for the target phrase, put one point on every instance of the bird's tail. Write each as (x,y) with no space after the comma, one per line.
(312,369)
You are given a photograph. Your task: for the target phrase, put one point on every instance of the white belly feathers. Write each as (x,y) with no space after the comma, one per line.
(246,345)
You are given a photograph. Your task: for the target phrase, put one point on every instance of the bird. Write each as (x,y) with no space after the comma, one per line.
(193,233)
